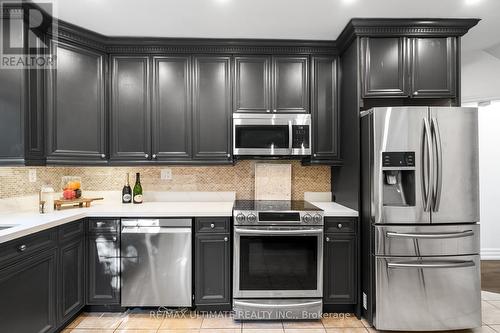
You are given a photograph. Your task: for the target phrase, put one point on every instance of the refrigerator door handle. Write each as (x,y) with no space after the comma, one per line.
(427,164)
(466,233)
(436,136)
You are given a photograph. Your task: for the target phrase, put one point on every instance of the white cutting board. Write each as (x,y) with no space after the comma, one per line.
(273,181)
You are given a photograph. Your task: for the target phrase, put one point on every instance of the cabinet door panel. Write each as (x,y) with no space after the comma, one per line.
(130,113)
(290,84)
(433,67)
(103,259)
(340,269)
(76,105)
(212,108)
(384,67)
(324,108)
(212,271)
(251,86)
(172,108)
(28,289)
(71,279)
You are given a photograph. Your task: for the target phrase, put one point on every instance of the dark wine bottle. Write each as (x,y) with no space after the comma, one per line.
(137,189)
(127,191)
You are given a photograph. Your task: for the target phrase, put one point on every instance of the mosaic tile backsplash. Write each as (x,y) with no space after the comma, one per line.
(14,181)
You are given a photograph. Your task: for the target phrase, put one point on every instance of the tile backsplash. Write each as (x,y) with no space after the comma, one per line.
(14,181)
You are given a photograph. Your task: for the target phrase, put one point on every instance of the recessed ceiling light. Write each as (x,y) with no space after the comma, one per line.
(472,2)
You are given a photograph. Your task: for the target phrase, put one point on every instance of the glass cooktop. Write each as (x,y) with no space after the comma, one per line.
(275,205)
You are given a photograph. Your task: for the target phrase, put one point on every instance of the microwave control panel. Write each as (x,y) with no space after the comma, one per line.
(300,135)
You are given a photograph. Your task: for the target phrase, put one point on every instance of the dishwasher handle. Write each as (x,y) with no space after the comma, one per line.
(155,230)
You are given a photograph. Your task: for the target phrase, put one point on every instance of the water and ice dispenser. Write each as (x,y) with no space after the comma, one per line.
(398,170)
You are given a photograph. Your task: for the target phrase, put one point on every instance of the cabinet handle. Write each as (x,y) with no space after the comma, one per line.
(228,155)
(99,224)
(154,156)
(327,239)
(22,248)
(274,110)
(415,93)
(146,155)
(268,110)
(212,225)
(103,156)
(226,239)
(114,239)
(339,225)
(315,155)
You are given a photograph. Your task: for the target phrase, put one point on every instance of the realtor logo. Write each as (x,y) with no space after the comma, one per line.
(25,28)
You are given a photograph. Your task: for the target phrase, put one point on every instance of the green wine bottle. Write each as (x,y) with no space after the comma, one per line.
(137,189)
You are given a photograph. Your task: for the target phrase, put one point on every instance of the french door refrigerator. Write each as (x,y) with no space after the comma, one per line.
(419,214)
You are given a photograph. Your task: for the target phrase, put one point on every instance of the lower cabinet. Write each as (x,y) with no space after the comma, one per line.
(340,262)
(212,273)
(28,294)
(71,283)
(103,266)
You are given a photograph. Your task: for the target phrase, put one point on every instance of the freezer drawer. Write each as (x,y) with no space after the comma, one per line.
(438,293)
(427,240)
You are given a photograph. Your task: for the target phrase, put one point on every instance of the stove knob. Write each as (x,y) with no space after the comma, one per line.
(307,218)
(240,218)
(252,218)
(317,218)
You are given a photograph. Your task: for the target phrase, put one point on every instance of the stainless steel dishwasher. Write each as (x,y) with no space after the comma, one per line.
(156,262)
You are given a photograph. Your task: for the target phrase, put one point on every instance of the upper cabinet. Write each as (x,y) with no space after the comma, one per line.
(76,110)
(212,108)
(409,67)
(324,110)
(130,108)
(271,84)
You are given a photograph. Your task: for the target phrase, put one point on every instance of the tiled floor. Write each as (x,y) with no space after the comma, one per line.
(192,323)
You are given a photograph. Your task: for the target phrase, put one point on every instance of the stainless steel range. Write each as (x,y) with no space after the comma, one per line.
(278,260)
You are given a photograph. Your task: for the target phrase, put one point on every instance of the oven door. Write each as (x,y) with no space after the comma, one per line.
(278,262)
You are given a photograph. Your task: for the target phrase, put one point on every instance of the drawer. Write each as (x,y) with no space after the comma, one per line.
(212,224)
(341,225)
(71,230)
(24,246)
(104,225)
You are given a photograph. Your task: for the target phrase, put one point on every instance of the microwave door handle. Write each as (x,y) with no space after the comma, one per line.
(290,136)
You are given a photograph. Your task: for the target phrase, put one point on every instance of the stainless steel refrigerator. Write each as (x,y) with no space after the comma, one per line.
(420,208)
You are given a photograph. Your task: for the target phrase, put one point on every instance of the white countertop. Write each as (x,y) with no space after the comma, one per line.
(333,209)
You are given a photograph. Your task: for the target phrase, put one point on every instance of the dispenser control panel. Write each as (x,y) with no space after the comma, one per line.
(398,159)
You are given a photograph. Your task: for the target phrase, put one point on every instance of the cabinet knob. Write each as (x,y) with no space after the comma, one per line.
(226,239)
(154,156)
(103,156)
(339,225)
(146,155)
(327,239)
(415,93)
(114,239)
(22,248)
(268,110)
(315,155)
(228,155)
(274,110)
(212,225)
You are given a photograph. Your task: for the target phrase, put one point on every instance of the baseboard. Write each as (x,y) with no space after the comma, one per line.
(490,254)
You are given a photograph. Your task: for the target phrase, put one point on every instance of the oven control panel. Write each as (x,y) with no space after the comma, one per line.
(278,218)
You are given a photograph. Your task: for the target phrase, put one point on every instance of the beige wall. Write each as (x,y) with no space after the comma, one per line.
(240,178)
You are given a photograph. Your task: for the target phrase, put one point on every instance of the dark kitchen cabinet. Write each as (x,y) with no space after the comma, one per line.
(212,108)
(103,268)
(252,89)
(404,67)
(384,67)
(290,85)
(71,272)
(76,109)
(324,110)
(171,108)
(271,84)
(212,257)
(340,262)
(28,294)
(433,67)
(130,108)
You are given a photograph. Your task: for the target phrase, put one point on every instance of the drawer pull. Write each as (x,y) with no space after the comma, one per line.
(22,248)
(212,225)
(327,239)
(339,225)
(99,224)
(114,239)
(226,239)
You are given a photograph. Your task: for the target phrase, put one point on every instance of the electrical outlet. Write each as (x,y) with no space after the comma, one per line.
(32,175)
(166,174)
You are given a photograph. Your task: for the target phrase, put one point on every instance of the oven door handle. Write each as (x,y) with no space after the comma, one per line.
(264,305)
(247,231)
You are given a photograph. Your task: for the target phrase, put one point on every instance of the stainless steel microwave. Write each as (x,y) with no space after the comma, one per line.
(271,134)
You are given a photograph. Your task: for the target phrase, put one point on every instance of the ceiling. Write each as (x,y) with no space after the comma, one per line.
(281,19)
